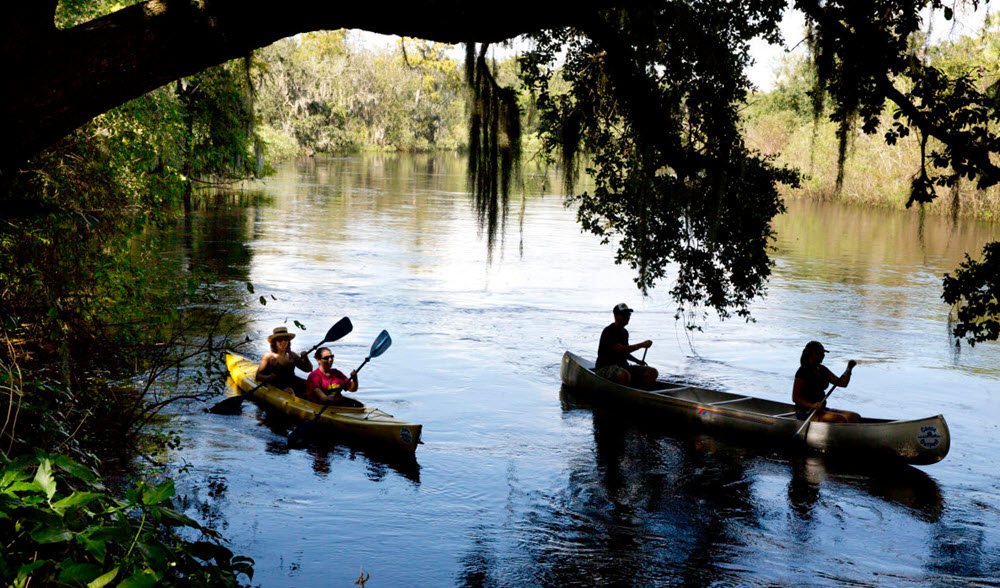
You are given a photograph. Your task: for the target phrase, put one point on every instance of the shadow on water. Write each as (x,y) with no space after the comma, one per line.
(326,451)
(897,484)
(679,508)
(641,509)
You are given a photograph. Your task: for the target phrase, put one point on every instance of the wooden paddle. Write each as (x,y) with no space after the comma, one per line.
(382,342)
(233,404)
(850,366)
(813,413)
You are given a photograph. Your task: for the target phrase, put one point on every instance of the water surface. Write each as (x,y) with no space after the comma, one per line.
(520,483)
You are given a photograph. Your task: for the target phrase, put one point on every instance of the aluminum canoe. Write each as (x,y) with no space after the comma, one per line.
(918,442)
(364,424)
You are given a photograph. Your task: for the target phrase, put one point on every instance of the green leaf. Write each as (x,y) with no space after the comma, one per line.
(104,580)
(95,546)
(206,551)
(68,465)
(29,568)
(52,535)
(263,301)
(249,287)
(76,499)
(172,517)
(159,493)
(78,573)
(143,579)
(23,486)
(44,479)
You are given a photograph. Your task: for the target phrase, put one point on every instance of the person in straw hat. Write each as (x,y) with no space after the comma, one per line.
(277,367)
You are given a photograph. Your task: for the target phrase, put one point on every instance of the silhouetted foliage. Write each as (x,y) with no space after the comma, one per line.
(655,94)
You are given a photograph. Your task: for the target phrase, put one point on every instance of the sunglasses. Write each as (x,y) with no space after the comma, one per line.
(326,357)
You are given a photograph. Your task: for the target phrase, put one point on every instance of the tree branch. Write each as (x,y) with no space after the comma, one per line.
(63,78)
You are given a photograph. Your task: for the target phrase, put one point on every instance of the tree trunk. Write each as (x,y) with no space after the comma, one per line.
(60,79)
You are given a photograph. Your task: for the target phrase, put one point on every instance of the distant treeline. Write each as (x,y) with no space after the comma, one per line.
(319,93)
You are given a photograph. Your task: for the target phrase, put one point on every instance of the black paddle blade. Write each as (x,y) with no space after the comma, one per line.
(298,436)
(336,332)
(231,405)
(339,330)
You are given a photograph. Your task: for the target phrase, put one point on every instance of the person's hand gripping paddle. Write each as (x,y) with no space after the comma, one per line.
(382,342)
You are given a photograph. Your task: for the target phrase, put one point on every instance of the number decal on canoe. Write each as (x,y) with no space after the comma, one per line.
(929,437)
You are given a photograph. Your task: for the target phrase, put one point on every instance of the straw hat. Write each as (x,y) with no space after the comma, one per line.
(280,332)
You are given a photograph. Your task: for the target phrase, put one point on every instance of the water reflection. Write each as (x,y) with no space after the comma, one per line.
(899,485)
(660,502)
(325,451)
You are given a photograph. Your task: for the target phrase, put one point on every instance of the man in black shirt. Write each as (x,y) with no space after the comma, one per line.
(614,353)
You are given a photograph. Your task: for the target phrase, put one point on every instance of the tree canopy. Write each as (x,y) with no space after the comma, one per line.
(655,91)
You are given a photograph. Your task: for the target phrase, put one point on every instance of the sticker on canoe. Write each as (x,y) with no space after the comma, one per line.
(405,435)
(928,437)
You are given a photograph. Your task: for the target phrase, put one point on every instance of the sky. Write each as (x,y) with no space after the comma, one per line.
(767,58)
(763,72)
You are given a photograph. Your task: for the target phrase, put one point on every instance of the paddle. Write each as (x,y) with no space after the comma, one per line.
(232,404)
(813,413)
(850,366)
(382,342)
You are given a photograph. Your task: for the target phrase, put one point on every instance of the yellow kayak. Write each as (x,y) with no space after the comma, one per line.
(359,423)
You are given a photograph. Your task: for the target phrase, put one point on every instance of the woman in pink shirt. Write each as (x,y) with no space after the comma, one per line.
(325,383)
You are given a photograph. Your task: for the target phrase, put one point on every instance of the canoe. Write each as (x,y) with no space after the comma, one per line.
(363,424)
(918,442)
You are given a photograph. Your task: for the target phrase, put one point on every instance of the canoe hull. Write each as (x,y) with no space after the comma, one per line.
(919,442)
(363,424)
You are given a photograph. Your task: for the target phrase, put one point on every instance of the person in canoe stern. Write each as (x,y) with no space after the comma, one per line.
(810,384)
(277,367)
(326,383)
(614,353)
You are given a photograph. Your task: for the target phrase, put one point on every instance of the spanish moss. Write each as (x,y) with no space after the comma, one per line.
(494,144)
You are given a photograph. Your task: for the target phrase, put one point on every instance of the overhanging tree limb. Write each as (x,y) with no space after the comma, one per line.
(60,79)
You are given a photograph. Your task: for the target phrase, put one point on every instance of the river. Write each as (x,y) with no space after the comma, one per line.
(519,483)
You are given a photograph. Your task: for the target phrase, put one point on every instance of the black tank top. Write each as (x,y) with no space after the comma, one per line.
(816,382)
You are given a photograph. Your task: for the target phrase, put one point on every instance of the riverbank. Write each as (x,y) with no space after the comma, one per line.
(875,175)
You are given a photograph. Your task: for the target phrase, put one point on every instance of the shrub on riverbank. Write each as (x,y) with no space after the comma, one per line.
(58,526)
(92,308)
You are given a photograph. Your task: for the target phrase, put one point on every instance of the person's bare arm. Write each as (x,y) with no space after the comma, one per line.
(261,376)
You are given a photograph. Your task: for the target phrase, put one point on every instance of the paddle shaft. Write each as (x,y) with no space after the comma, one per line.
(337,331)
(234,402)
(381,343)
(296,436)
(813,413)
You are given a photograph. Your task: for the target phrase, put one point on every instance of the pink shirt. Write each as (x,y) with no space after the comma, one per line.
(317,379)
